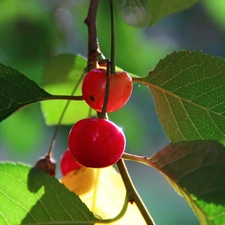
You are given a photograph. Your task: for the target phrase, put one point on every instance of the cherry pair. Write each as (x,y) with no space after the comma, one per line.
(96,142)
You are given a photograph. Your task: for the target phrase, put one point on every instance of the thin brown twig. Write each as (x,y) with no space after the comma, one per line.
(90,21)
(94,53)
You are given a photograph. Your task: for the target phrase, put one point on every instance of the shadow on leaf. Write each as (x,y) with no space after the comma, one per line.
(55,204)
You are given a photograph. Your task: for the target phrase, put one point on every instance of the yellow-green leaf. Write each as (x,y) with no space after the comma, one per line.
(61,74)
(103,191)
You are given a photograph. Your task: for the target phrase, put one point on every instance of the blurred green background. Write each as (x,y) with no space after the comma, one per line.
(31,31)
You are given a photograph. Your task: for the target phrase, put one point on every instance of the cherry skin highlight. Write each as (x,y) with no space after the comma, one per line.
(93,89)
(96,143)
(67,163)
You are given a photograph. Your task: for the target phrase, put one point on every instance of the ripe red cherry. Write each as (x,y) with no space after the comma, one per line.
(93,89)
(67,163)
(96,142)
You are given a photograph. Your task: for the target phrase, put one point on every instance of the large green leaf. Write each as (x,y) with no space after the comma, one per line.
(196,170)
(61,74)
(188,89)
(16,91)
(30,196)
(189,93)
(142,12)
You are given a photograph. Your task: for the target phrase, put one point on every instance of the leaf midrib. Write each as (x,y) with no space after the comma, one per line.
(151,85)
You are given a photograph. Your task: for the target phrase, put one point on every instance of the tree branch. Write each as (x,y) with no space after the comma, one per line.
(94,53)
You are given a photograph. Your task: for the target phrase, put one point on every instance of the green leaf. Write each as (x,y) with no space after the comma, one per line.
(30,196)
(142,12)
(196,171)
(16,91)
(61,74)
(189,93)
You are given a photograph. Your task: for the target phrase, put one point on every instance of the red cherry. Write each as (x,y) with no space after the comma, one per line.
(93,89)
(96,142)
(67,163)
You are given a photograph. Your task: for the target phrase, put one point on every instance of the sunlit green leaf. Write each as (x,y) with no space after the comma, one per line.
(30,196)
(61,74)
(16,91)
(189,93)
(196,171)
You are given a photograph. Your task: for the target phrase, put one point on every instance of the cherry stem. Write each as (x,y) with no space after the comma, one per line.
(63,112)
(113,37)
(107,86)
(132,193)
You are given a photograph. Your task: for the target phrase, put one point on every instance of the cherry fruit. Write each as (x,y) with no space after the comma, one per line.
(96,142)
(93,89)
(68,163)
